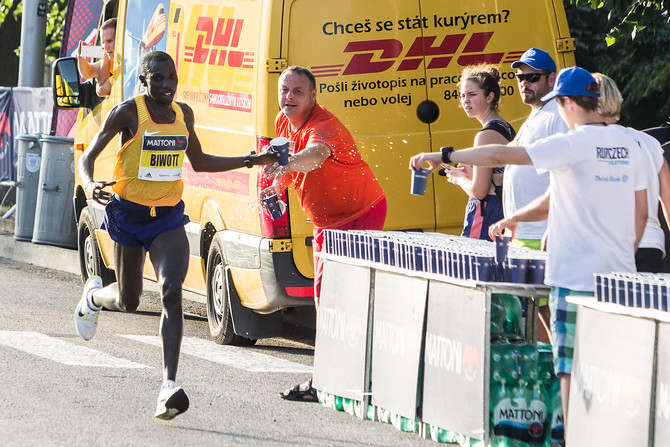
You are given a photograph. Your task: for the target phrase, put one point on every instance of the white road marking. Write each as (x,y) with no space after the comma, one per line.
(61,351)
(233,356)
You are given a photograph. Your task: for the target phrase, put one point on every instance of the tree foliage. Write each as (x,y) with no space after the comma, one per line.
(639,62)
(54,24)
(633,16)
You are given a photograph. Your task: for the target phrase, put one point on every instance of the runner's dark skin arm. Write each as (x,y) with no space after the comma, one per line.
(202,162)
(121,119)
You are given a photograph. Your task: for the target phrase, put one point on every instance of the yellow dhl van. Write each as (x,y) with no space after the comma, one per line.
(388,70)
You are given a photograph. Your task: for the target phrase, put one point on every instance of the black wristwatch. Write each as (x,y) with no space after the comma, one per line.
(247,159)
(446,154)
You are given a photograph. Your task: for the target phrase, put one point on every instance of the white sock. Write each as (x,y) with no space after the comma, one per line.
(89,301)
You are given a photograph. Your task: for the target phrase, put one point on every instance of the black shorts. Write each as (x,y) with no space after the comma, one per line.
(649,260)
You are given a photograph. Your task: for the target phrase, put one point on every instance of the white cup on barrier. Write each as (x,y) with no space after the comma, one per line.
(281,146)
(275,206)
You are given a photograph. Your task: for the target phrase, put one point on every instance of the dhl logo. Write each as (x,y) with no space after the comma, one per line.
(376,56)
(215,45)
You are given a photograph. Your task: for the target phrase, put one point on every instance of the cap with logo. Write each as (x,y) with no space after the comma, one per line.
(572,81)
(537,59)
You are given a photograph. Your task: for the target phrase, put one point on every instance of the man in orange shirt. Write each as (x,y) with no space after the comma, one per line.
(335,187)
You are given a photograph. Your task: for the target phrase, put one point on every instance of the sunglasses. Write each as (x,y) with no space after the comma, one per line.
(530,77)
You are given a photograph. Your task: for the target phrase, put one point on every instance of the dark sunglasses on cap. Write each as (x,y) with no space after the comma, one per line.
(530,77)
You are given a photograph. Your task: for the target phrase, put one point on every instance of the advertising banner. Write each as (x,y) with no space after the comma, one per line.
(397,329)
(456,360)
(81,24)
(611,386)
(341,331)
(662,413)
(7,164)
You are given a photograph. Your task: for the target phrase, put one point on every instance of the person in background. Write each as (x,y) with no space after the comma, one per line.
(595,218)
(102,70)
(480,99)
(650,253)
(146,215)
(535,77)
(335,186)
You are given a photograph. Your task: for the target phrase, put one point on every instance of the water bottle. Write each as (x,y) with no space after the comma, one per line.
(538,407)
(498,314)
(441,435)
(514,311)
(556,428)
(348,406)
(383,415)
(499,403)
(404,424)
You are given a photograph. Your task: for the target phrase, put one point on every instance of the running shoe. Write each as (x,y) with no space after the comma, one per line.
(172,401)
(85,318)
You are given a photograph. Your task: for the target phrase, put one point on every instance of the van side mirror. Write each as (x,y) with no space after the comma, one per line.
(68,92)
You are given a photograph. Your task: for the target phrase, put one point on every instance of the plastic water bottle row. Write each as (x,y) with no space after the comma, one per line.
(643,290)
(442,254)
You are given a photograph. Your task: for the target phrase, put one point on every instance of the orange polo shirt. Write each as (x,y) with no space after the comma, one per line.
(343,188)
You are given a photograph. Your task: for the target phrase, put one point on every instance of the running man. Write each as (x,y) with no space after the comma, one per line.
(145,215)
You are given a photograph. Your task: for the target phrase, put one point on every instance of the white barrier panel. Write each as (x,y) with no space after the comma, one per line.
(611,384)
(342,331)
(662,414)
(397,329)
(456,359)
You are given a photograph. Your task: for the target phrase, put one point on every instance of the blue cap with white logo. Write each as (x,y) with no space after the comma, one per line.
(537,59)
(572,81)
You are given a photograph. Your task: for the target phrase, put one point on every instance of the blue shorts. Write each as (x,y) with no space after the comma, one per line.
(131,224)
(563,318)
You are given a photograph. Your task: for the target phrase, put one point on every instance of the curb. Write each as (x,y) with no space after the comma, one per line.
(47,256)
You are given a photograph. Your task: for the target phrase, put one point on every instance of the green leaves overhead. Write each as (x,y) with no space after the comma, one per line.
(636,15)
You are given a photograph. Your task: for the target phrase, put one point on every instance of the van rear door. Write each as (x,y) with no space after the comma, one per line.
(469,33)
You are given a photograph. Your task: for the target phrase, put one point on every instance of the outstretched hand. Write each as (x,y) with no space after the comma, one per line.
(265,158)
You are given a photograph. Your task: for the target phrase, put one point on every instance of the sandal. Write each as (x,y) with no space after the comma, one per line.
(303,392)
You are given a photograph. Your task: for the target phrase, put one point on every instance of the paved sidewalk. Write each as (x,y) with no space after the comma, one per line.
(47,256)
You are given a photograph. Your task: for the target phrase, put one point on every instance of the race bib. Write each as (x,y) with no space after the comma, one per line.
(162,157)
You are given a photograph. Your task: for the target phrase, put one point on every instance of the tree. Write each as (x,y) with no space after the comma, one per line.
(639,62)
(635,15)
(10,34)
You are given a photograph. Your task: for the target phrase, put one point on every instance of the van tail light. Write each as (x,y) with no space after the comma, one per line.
(271,228)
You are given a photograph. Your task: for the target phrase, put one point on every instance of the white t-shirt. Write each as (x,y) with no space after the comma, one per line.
(522,184)
(594,173)
(653,236)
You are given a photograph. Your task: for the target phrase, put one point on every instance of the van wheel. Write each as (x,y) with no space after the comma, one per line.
(90,259)
(218,305)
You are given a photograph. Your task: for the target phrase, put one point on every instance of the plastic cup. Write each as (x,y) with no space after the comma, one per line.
(419,181)
(280,145)
(484,268)
(502,247)
(518,270)
(536,269)
(275,207)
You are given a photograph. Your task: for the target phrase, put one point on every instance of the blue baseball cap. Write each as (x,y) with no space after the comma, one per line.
(572,81)
(538,59)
